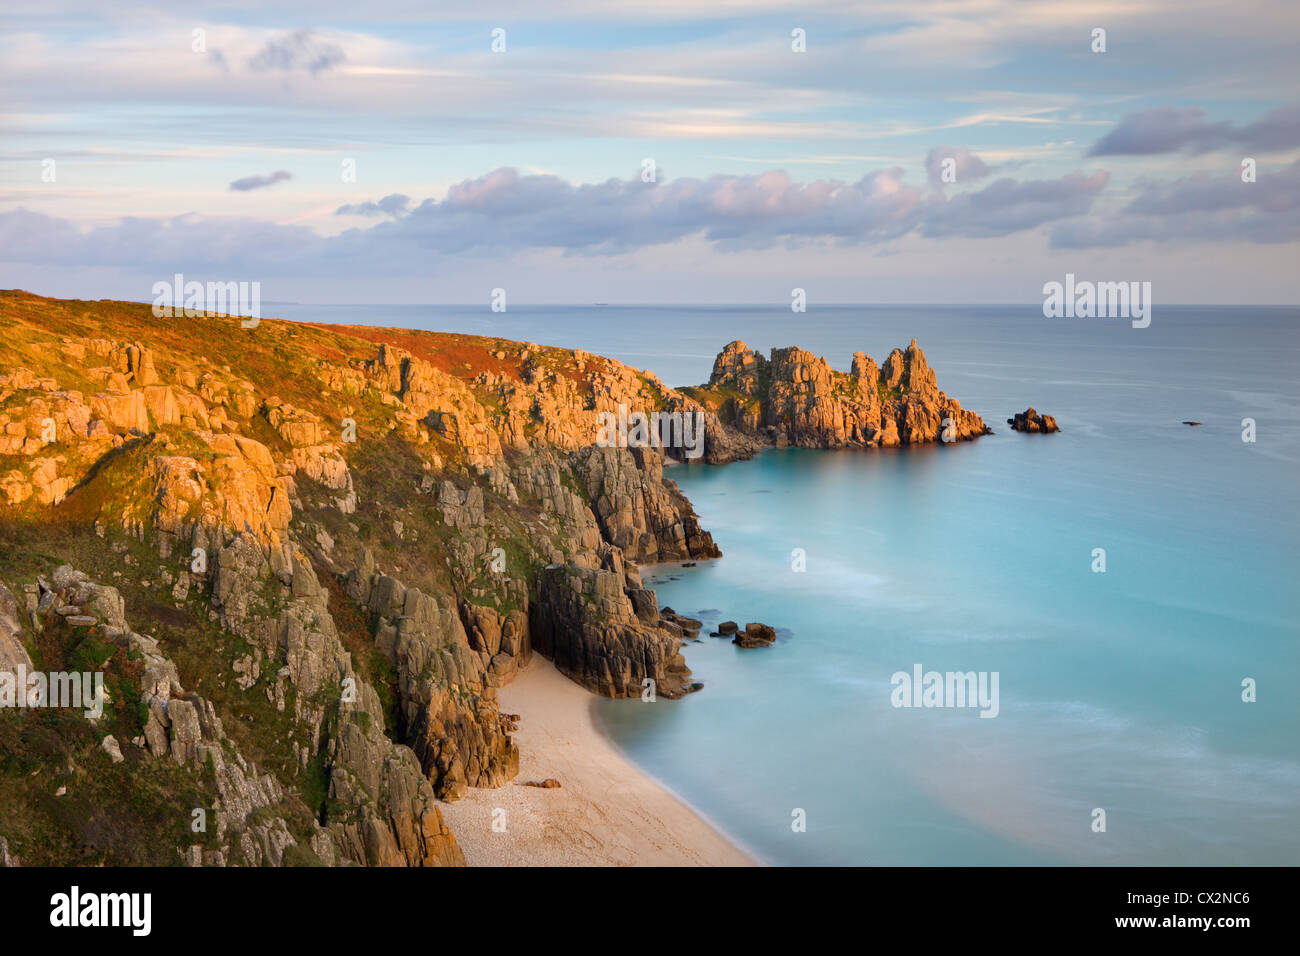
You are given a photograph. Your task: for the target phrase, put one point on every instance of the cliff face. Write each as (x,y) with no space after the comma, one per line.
(604,636)
(796,398)
(341,541)
(382,810)
(344,541)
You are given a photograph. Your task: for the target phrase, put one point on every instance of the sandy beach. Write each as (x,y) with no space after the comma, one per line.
(606,812)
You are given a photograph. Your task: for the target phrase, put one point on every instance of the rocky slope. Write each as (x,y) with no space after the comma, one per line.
(337,544)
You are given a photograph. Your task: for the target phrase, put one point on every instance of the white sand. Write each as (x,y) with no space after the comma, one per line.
(606,811)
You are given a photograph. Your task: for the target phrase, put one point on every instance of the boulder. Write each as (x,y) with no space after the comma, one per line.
(112,748)
(1031,421)
(689,626)
(755,635)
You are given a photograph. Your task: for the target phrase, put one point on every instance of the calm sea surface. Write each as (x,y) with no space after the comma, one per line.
(1119,690)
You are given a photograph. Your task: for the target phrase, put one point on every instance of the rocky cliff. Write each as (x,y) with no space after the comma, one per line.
(795,398)
(343,540)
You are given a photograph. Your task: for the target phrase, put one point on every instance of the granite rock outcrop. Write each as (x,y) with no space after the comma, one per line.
(585,621)
(795,398)
(1031,421)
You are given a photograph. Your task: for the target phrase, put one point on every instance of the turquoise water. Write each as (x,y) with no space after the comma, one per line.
(1118,690)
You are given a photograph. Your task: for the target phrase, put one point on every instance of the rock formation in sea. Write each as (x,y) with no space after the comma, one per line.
(795,398)
(1030,421)
(306,557)
(755,635)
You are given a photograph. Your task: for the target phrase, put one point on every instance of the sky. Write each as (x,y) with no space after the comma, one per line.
(677,151)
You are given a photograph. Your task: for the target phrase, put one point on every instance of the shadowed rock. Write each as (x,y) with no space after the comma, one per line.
(584,621)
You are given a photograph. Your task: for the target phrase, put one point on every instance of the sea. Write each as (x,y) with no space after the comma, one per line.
(1130,583)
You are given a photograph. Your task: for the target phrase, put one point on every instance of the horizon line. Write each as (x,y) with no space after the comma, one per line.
(693,305)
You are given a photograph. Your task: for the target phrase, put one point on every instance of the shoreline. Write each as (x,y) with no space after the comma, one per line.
(752,858)
(606,812)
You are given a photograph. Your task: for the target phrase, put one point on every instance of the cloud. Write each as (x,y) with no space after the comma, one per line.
(1165,129)
(259,182)
(219,244)
(301,50)
(505,212)
(1008,206)
(966,166)
(1199,208)
(394,204)
(505,209)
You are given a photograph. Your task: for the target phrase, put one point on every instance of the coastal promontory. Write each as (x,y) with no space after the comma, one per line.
(795,398)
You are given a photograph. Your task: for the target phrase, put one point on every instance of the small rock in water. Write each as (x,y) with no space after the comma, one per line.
(1030,421)
(755,635)
(725,629)
(690,626)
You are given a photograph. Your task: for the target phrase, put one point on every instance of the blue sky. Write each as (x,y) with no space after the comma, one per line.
(773,169)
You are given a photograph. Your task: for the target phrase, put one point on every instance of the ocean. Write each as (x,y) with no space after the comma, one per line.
(1119,691)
